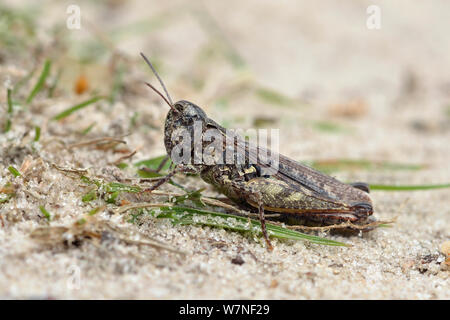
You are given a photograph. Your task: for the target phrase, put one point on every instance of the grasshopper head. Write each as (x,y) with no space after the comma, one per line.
(185,113)
(183,119)
(358,202)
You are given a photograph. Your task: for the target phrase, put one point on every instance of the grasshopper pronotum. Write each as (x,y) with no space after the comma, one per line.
(295,191)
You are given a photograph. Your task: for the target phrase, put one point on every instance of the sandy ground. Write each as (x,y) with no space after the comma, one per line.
(386,92)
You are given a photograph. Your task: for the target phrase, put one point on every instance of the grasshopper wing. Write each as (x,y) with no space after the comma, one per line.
(294,187)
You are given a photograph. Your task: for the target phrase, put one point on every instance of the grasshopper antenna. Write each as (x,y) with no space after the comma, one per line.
(168,100)
(161,95)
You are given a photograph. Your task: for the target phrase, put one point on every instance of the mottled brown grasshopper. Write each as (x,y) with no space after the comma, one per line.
(296,192)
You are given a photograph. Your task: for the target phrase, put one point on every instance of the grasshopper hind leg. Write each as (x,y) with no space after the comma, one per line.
(263,223)
(239,192)
(258,197)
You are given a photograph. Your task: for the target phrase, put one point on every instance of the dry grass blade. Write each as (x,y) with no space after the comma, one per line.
(97,141)
(92,228)
(343,226)
(41,82)
(71,170)
(49,234)
(125,157)
(152,243)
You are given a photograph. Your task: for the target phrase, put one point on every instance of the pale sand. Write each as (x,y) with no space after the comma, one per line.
(321,54)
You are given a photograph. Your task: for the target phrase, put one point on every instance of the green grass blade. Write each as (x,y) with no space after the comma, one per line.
(94,211)
(92,195)
(10,103)
(37,133)
(14,171)
(194,196)
(77,107)
(408,187)
(112,187)
(120,187)
(273,97)
(330,127)
(10,110)
(88,129)
(46,214)
(154,163)
(122,165)
(190,216)
(148,174)
(333,165)
(41,81)
(7,125)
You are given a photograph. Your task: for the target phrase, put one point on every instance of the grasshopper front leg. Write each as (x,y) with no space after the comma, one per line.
(162,181)
(161,164)
(256,197)
(167,177)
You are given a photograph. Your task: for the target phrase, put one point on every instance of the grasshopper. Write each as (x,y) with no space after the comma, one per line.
(296,192)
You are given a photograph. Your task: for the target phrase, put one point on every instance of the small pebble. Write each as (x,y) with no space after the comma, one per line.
(237,260)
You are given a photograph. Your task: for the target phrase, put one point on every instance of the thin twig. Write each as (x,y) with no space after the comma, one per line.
(152,243)
(71,170)
(124,157)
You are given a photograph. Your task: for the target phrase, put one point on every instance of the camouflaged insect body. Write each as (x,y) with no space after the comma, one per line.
(294,190)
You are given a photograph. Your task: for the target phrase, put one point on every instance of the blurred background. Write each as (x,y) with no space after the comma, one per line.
(314,69)
(285,64)
(359,89)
